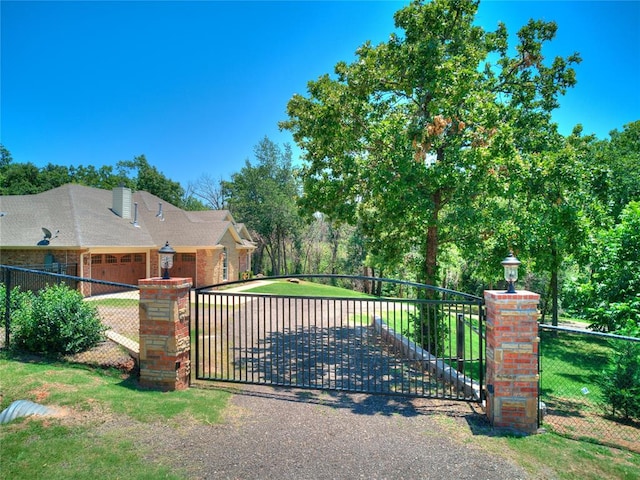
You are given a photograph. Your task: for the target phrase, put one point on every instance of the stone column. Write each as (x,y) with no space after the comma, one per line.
(165,345)
(512,359)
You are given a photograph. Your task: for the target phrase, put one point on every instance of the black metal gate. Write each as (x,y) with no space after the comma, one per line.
(413,340)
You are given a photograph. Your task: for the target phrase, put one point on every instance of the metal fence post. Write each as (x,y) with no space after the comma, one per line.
(7,308)
(460,341)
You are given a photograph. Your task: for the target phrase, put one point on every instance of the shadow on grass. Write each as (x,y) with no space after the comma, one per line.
(585,353)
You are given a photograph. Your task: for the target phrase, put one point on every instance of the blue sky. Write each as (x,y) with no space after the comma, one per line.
(194,86)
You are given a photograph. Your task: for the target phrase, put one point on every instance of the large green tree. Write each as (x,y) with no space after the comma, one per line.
(103,177)
(616,169)
(148,178)
(21,179)
(138,174)
(417,130)
(264,196)
(553,204)
(613,291)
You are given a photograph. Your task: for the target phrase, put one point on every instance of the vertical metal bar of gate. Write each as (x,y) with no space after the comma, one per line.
(481,346)
(196,359)
(7,308)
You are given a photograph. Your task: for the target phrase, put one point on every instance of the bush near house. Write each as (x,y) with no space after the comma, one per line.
(56,322)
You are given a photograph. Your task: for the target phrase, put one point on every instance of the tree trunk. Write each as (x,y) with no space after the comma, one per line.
(431,255)
(285,268)
(366,284)
(430,329)
(272,257)
(430,272)
(554,296)
(277,254)
(545,304)
(335,241)
(257,259)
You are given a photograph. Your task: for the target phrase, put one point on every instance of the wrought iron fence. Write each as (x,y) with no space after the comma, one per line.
(589,386)
(419,340)
(115,304)
(26,277)
(54,267)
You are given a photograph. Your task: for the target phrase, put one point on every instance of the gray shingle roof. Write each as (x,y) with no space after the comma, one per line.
(85,219)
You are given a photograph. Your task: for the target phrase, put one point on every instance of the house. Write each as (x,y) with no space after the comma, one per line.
(115,235)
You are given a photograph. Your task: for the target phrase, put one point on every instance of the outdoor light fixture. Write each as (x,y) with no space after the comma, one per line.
(511,265)
(166,260)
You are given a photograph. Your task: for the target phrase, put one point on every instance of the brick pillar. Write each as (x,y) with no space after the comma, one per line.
(165,345)
(512,359)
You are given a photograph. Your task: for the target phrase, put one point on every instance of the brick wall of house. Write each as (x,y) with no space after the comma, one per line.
(232,260)
(243,261)
(208,262)
(154,263)
(217,266)
(205,267)
(25,257)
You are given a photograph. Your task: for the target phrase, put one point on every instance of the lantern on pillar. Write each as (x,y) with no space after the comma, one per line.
(166,260)
(511,264)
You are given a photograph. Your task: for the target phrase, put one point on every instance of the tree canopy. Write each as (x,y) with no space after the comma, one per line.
(138,174)
(264,196)
(416,130)
(612,293)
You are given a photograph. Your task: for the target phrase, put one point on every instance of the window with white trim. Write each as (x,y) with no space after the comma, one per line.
(225,265)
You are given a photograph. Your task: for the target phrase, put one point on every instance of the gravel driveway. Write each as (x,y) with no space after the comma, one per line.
(275,433)
(294,434)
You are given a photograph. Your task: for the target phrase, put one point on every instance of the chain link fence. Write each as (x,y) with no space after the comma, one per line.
(590,386)
(116,305)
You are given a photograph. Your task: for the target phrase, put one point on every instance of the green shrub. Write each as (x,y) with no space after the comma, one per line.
(620,382)
(18,299)
(57,322)
(612,317)
(429,330)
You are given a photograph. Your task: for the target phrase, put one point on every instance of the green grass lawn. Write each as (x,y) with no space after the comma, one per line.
(113,390)
(306,289)
(51,448)
(571,362)
(113,302)
(36,450)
